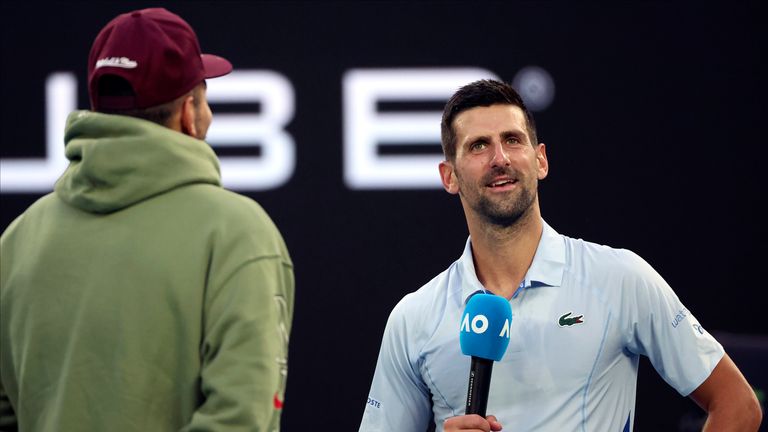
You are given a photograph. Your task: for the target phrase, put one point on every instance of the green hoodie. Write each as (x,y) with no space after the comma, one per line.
(140,295)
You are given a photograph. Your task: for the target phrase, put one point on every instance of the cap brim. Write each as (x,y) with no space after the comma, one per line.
(215,66)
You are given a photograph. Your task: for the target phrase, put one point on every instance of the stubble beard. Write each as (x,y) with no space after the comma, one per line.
(504,211)
(505,214)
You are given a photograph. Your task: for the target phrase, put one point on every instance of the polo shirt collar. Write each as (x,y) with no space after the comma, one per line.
(546,269)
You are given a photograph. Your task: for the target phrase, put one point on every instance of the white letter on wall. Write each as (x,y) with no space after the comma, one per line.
(277,161)
(39,175)
(365,128)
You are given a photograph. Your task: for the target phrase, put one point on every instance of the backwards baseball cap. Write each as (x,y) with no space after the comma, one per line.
(156,52)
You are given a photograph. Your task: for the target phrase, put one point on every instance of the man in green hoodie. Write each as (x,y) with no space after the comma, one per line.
(140,295)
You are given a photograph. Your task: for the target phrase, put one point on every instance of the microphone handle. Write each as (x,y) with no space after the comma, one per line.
(479,386)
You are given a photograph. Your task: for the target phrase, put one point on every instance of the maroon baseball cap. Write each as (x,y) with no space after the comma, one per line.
(156,52)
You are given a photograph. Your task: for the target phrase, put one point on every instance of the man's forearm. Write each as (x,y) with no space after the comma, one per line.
(738,417)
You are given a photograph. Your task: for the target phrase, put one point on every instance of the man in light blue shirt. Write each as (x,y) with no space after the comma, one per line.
(583,313)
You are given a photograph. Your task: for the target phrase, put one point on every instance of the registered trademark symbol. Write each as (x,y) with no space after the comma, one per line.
(536,87)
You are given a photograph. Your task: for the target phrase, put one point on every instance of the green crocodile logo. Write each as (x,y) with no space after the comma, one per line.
(565,321)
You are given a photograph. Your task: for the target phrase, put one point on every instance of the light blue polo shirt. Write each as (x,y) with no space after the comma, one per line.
(583,316)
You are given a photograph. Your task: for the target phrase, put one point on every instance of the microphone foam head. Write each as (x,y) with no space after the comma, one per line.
(485,326)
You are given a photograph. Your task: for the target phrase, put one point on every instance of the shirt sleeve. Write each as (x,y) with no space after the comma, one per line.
(399,399)
(244,348)
(660,327)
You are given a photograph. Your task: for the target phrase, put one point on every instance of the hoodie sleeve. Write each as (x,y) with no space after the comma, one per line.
(244,348)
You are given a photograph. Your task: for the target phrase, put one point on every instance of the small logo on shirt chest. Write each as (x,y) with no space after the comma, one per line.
(566,321)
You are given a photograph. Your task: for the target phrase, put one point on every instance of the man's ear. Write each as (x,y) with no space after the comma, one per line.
(541,160)
(448,177)
(188,116)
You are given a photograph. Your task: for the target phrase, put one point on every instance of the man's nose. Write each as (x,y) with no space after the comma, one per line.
(499,155)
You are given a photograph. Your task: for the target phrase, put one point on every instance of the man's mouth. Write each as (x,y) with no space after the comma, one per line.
(501,183)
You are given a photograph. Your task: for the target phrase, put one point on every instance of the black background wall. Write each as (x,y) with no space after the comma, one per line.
(655,136)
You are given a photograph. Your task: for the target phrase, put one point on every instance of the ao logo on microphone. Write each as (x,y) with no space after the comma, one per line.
(479,324)
(485,325)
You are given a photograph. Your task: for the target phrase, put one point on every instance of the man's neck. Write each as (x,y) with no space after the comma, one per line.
(502,255)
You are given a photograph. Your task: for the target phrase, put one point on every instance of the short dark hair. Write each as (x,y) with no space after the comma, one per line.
(113,86)
(480,93)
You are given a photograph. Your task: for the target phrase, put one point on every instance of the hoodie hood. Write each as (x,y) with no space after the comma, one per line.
(116,161)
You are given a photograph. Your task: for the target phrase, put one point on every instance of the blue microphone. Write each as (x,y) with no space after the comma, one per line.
(484,335)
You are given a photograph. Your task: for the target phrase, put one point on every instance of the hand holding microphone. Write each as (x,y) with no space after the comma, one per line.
(484,335)
(471,423)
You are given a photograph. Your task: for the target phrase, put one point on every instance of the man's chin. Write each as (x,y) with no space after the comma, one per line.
(503,220)
(500,216)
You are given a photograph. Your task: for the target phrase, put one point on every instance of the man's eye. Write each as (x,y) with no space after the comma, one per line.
(513,140)
(478,146)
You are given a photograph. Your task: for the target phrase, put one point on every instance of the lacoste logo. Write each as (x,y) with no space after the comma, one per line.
(121,62)
(565,321)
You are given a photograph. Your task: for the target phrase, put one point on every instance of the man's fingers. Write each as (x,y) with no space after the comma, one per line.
(467,423)
(472,423)
(494,423)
